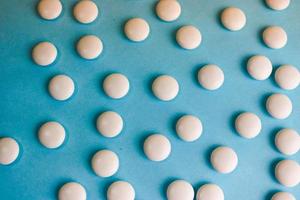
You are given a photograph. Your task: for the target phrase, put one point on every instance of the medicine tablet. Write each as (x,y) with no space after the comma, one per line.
(72,191)
(49,9)
(180,190)
(234,19)
(189,128)
(287,173)
(52,135)
(279,106)
(287,77)
(89,47)
(275,37)
(248,125)
(211,77)
(109,124)
(44,53)
(61,87)
(85,11)
(157,147)
(168,10)
(278,4)
(116,85)
(105,163)
(259,67)
(165,87)
(287,141)
(137,29)
(224,159)
(120,190)
(283,196)
(210,192)
(188,37)
(9,150)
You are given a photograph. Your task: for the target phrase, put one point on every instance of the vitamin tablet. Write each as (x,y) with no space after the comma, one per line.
(224,159)
(283,196)
(278,4)
(259,67)
(72,191)
(44,53)
(180,190)
(52,135)
(105,163)
(234,19)
(157,147)
(120,190)
(89,47)
(165,87)
(189,128)
(61,87)
(279,106)
(248,125)
(168,10)
(49,9)
(287,77)
(85,11)
(275,37)
(287,141)
(287,173)
(137,29)
(210,192)
(116,85)
(211,77)
(188,37)
(109,124)
(9,150)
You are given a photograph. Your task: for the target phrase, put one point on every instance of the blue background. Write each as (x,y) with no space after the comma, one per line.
(25,103)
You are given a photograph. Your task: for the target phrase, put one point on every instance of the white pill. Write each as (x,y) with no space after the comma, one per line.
(52,135)
(278,4)
(188,37)
(49,9)
(85,11)
(44,53)
(137,29)
(168,10)
(248,125)
(120,190)
(180,190)
(259,67)
(9,150)
(224,159)
(105,163)
(234,19)
(275,37)
(61,87)
(116,85)
(283,196)
(89,47)
(287,77)
(287,141)
(279,106)
(189,128)
(287,173)
(157,147)
(211,77)
(72,191)
(109,124)
(210,192)
(165,87)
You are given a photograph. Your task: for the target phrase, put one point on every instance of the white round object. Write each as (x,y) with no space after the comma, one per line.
(52,135)
(224,159)
(275,37)
(61,87)
(168,10)
(116,85)
(105,163)
(85,11)
(279,106)
(287,173)
(287,77)
(189,128)
(278,4)
(287,141)
(44,53)
(210,192)
(9,150)
(157,147)
(234,19)
(188,37)
(89,47)
(165,87)
(283,196)
(72,191)
(180,190)
(211,77)
(248,125)
(259,67)
(120,190)
(49,9)
(109,124)
(137,29)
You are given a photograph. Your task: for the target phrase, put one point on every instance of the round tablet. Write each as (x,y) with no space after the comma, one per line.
(61,87)
(44,53)
(109,124)
(287,141)
(278,4)
(287,77)
(283,196)
(120,190)
(51,135)
(72,191)
(180,190)
(49,9)
(105,163)
(275,37)
(85,11)
(259,67)
(168,10)
(157,147)
(189,128)
(279,106)
(248,125)
(234,19)
(287,173)
(224,159)
(211,77)
(116,85)
(89,47)
(137,29)
(188,37)
(210,192)
(9,150)
(165,87)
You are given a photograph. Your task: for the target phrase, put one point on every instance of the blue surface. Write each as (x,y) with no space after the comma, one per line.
(25,103)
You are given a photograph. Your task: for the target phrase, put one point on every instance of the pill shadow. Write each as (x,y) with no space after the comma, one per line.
(59,184)
(219,21)
(194,73)
(273,164)
(272,138)
(172,123)
(200,184)
(207,155)
(105,185)
(244,62)
(148,86)
(272,77)
(260,37)
(101,79)
(270,194)
(232,121)
(164,186)
(263,101)
(141,140)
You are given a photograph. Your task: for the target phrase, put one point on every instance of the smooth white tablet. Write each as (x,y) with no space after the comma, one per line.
(61,87)
(89,47)
(278,4)
(85,11)
(72,191)
(44,53)
(283,196)
(49,9)
(109,124)
(211,77)
(180,190)
(105,163)
(259,67)
(287,173)
(248,125)
(287,77)
(234,19)
(120,190)
(224,159)
(279,106)
(287,141)
(116,85)
(157,147)
(9,150)
(275,37)
(137,29)
(52,135)
(165,87)
(168,10)
(210,192)
(188,37)
(189,128)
